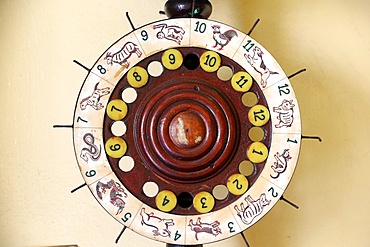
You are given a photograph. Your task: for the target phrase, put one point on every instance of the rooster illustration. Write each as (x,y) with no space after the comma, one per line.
(222,39)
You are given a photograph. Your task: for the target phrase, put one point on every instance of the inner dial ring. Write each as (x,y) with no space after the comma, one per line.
(200,162)
(187,132)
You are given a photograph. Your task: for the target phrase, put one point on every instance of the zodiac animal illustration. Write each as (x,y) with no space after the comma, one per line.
(285,111)
(281,163)
(160,226)
(256,61)
(173,33)
(93,152)
(222,39)
(94,99)
(253,208)
(121,57)
(115,195)
(210,228)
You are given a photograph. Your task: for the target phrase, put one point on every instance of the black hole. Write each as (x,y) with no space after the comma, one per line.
(187,130)
(191,61)
(184,200)
(212,166)
(197,88)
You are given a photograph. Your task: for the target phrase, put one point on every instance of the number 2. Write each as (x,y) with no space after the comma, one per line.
(237,184)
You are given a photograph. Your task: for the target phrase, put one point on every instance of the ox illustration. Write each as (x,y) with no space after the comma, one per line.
(254,208)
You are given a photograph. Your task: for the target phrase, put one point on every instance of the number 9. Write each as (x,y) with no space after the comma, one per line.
(90,174)
(144,35)
(172,59)
(116,147)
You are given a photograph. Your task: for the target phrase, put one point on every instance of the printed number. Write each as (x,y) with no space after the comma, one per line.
(273,192)
(90,174)
(127,216)
(172,58)
(231,227)
(137,76)
(241,79)
(211,61)
(204,201)
(80,119)
(115,147)
(102,70)
(248,46)
(201,27)
(165,201)
(144,35)
(258,115)
(237,184)
(293,141)
(177,235)
(257,152)
(115,108)
(284,89)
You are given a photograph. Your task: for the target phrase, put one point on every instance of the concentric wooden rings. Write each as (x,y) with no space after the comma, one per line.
(167,151)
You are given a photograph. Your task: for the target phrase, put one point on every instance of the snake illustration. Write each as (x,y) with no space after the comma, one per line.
(93,151)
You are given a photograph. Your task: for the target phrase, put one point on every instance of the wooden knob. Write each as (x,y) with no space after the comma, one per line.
(185,8)
(187,130)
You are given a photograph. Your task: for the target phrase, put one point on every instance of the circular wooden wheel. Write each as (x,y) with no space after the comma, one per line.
(187,131)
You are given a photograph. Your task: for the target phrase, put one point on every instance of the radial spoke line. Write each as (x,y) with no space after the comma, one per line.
(120,234)
(253,27)
(79,187)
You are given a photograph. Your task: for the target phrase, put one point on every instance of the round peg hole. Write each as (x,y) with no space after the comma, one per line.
(225,73)
(150,189)
(256,134)
(118,128)
(129,95)
(184,200)
(191,61)
(246,168)
(155,68)
(126,163)
(249,99)
(220,192)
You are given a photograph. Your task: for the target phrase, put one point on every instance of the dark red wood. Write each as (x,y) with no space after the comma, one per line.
(207,106)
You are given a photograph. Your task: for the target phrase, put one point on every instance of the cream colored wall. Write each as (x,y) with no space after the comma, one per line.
(39,86)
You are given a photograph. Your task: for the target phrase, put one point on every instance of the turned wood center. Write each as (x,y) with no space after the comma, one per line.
(187,130)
